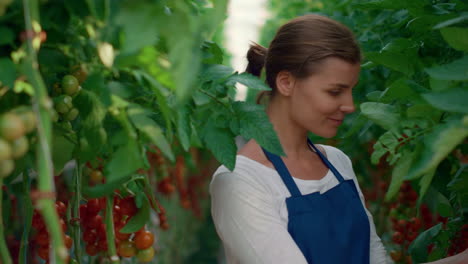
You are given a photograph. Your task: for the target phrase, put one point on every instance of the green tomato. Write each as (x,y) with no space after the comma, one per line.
(29,120)
(70,85)
(19,147)
(6,167)
(5,150)
(11,126)
(72,114)
(63,104)
(145,255)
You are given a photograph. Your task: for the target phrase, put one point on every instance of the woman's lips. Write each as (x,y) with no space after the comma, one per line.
(336,121)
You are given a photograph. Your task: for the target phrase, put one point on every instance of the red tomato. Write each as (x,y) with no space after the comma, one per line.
(61,208)
(68,241)
(127,206)
(43,253)
(94,222)
(94,207)
(91,249)
(144,240)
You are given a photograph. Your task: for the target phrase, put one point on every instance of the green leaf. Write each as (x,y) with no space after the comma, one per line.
(378,152)
(456,70)
(389,4)
(7,73)
(215,72)
(124,161)
(212,53)
(463,16)
(161,96)
(183,127)
(424,184)
(139,25)
(399,89)
(383,115)
(92,112)
(254,123)
(452,100)
(221,143)
(393,60)
(399,172)
(423,111)
(215,16)
(374,96)
(105,189)
(437,145)
(139,220)
(435,199)
(140,117)
(95,83)
(6,36)
(389,140)
(456,37)
(418,249)
(249,80)
(62,150)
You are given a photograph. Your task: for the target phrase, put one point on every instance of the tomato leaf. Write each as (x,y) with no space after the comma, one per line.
(254,123)
(140,117)
(456,37)
(138,220)
(221,143)
(249,80)
(125,161)
(437,145)
(418,249)
(398,174)
(452,100)
(384,115)
(456,70)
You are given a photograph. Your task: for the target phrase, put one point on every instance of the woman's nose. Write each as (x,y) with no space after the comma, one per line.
(348,105)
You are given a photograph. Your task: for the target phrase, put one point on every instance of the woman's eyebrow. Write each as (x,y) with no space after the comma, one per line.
(339,85)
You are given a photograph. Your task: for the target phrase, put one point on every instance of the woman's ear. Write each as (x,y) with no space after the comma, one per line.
(285,83)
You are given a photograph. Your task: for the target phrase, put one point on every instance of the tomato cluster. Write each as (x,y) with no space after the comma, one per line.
(406,226)
(127,244)
(14,126)
(177,179)
(63,99)
(41,237)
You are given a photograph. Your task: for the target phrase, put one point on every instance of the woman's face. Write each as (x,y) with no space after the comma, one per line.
(320,102)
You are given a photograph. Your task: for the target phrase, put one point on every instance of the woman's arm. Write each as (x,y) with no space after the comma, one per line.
(248,224)
(460,258)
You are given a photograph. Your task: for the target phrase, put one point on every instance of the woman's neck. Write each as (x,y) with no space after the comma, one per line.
(291,135)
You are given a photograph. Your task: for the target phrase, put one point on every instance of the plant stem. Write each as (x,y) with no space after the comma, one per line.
(5,254)
(76,212)
(28,210)
(112,251)
(42,106)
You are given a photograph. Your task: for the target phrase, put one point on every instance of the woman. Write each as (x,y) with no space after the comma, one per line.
(305,207)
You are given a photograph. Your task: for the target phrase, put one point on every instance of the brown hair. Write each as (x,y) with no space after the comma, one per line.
(299,47)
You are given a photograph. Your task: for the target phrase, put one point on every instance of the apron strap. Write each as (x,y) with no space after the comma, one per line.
(283,172)
(325,160)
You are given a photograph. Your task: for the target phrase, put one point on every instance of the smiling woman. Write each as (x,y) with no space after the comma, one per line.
(306,207)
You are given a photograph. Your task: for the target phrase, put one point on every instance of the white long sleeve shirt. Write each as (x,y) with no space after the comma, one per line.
(250,214)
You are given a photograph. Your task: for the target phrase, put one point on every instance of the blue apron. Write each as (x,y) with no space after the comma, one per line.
(329,228)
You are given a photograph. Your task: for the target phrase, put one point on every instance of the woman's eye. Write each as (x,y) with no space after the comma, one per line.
(335,92)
